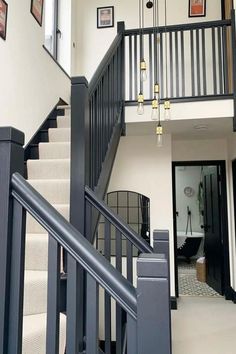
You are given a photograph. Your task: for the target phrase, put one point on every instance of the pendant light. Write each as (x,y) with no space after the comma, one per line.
(159,135)
(156,98)
(140,109)
(143,67)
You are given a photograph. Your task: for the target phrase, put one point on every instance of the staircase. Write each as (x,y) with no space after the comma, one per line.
(120,312)
(50,176)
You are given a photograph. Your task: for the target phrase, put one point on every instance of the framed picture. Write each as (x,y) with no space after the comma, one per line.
(37,10)
(105,17)
(3,19)
(197,8)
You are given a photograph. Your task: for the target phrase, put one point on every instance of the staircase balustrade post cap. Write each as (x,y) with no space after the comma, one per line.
(161,235)
(152,265)
(11,134)
(79,80)
(120,26)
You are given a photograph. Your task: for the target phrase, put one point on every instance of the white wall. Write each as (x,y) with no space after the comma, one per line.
(92,43)
(31,83)
(74,22)
(188,176)
(197,150)
(141,167)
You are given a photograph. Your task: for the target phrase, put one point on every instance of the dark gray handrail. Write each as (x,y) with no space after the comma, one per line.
(181,27)
(114,219)
(75,244)
(104,63)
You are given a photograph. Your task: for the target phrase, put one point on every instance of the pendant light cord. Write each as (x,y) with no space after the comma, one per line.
(142,26)
(167,93)
(154,38)
(141,23)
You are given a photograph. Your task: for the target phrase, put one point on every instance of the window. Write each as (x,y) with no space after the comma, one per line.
(51,22)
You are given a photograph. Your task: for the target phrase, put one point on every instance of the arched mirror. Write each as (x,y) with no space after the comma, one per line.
(134,209)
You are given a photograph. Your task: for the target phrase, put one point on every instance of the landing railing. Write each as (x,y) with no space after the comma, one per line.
(146,307)
(191,61)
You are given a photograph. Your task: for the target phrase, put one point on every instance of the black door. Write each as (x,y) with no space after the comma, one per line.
(213,227)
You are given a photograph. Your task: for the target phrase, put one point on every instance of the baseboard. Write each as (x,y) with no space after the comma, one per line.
(173,303)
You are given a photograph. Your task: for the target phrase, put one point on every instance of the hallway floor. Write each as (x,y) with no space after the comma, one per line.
(204,326)
(188,283)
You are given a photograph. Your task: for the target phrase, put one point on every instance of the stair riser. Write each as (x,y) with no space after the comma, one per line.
(63,122)
(34,334)
(59,135)
(48,169)
(56,192)
(36,254)
(32,225)
(35,295)
(54,151)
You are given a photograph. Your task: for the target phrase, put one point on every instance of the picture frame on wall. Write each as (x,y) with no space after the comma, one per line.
(105,17)
(37,10)
(3,19)
(197,8)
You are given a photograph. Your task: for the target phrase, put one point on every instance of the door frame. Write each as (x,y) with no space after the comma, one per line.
(225,247)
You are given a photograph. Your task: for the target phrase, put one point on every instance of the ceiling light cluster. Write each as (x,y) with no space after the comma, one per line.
(155,115)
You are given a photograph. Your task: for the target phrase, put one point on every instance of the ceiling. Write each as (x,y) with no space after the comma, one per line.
(192,129)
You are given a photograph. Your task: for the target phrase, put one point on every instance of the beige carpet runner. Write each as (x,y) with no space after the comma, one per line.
(50,175)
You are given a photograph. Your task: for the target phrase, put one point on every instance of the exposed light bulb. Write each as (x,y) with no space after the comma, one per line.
(143,71)
(167,112)
(159,140)
(155,114)
(140,108)
(159,136)
(155,110)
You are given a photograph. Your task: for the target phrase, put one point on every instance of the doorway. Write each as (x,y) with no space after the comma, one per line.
(200,228)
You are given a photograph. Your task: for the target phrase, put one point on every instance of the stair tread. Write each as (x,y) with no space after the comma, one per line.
(58,129)
(43,181)
(47,161)
(55,143)
(64,107)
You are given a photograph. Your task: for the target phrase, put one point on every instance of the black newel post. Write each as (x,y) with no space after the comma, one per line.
(153,313)
(11,161)
(79,178)
(79,151)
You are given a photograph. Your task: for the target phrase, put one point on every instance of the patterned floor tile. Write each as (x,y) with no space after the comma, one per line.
(188,283)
